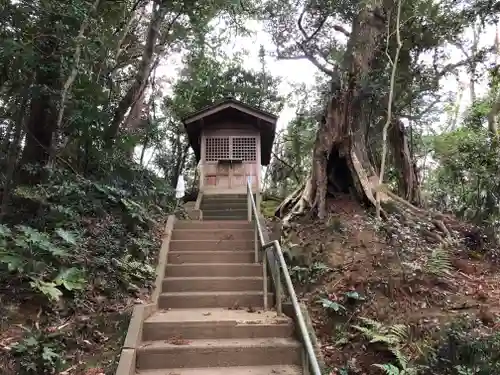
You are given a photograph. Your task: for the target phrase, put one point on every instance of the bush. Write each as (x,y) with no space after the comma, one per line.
(79,244)
(465,349)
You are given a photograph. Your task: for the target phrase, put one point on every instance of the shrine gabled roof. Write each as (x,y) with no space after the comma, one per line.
(230,109)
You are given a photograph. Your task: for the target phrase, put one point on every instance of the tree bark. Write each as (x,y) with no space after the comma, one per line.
(409,185)
(7,136)
(180,161)
(342,134)
(12,154)
(42,120)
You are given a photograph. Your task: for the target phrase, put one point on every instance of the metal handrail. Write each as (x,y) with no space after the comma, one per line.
(310,357)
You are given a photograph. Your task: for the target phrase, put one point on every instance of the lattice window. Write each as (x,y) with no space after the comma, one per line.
(217,148)
(244,148)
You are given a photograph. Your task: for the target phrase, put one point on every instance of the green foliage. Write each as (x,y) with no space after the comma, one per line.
(304,275)
(439,263)
(466,179)
(211,78)
(91,240)
(128,192)
(388,369)
(39,353)
(355,296)
(393,370)
(293,147)
(392,337)
(87,230)
(41,258)
(332,306)
(465,349)
(340,306)
(268,207)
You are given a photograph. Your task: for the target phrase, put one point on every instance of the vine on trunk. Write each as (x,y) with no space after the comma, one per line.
(394,65)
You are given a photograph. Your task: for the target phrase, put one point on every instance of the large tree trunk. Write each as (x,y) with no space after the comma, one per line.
(42,121)
(409,185)
(340,154)
(180,161)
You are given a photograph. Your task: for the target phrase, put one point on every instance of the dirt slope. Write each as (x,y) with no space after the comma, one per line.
(390,274)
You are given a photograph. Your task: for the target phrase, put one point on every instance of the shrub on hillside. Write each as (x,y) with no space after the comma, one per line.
(465,349)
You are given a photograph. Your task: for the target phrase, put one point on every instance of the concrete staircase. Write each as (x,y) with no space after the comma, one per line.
(224,207)
(210,319)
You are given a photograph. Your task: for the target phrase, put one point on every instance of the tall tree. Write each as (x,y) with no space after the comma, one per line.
(359,73)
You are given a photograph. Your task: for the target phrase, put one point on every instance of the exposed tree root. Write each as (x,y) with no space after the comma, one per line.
(291,200)
(431,225)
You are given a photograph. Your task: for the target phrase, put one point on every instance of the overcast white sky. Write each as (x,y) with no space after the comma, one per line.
(302,71)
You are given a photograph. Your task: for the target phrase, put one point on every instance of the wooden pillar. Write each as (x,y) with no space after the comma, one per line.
(259,171)
(202,161)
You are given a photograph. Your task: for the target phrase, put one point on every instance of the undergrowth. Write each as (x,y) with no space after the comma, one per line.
(464,349)
(79,251)
(386,305)
(391,338)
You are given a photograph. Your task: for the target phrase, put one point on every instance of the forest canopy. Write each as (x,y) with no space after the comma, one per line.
(92,142)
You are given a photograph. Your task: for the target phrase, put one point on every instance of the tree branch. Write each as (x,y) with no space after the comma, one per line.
(76,63)
(308,38)
(292,169)
(451,67)
(306,55)
(492,124)
(342,30)
(423,112)
(302,46)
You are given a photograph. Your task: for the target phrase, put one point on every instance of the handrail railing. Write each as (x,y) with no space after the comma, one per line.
(310,362)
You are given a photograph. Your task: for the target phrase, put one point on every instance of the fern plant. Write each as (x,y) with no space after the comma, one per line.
(439,263)
(391,336)
(30,255)
(390,369)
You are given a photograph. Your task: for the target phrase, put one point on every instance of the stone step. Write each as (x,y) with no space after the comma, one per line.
(211,319)
(211,245)
(223,218)
(225,212)
(208,197)
(222,284)
(195,300)
(239,370)
(227,205)
(213,270)
(213,234)
(214,198)
(197,224)
(191,324)
(218,353)
(179,257)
